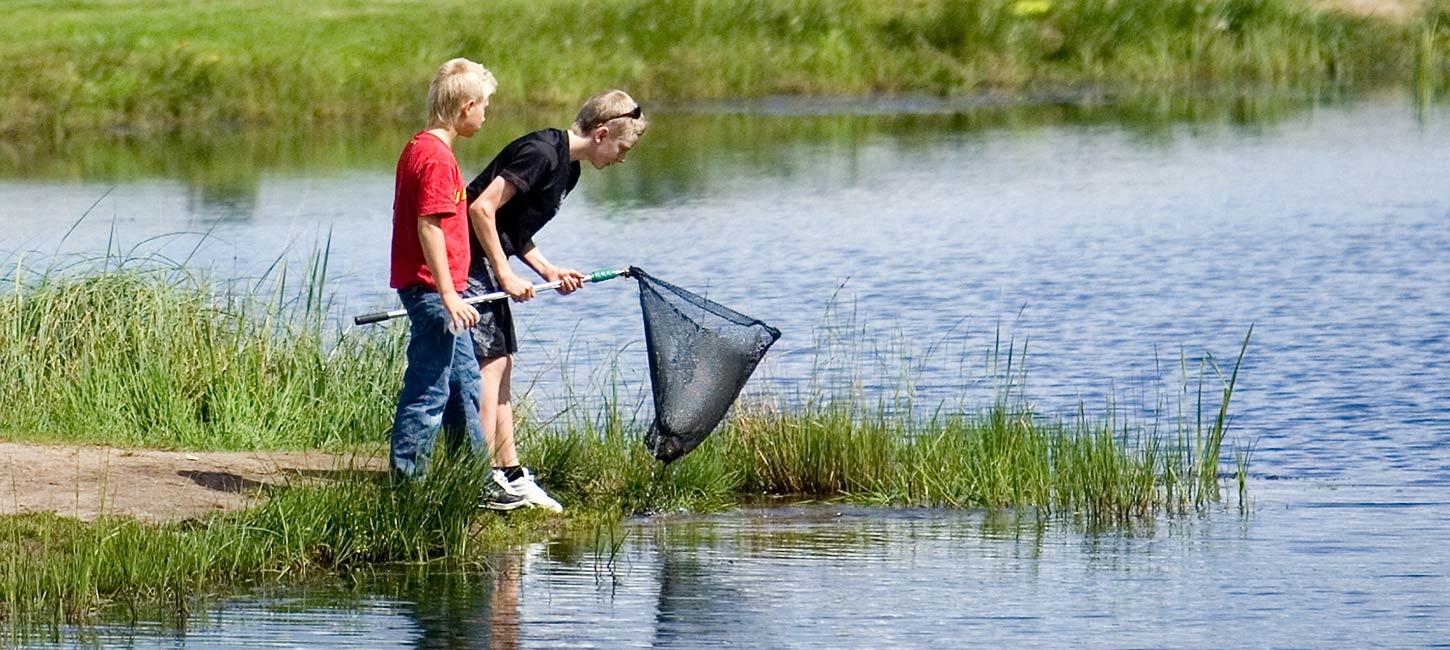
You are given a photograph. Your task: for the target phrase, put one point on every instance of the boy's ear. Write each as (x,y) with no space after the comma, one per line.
(601,134)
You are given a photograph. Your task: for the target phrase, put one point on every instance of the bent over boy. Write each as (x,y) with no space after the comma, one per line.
(519,192)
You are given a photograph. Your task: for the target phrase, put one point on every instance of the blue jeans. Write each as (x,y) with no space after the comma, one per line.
(440,387)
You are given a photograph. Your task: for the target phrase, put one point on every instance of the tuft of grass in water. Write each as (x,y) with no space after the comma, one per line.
(148,357)
(1003,456)
(148,65)
(56,570)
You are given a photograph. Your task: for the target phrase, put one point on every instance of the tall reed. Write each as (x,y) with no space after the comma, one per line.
(835,446)
(142,353)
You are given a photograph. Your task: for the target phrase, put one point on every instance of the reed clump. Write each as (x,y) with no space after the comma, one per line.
(144,65)
(141,353)
(1431,41)
(1004,456)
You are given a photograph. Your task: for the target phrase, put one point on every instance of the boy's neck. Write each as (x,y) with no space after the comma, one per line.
(444,133)
(579,146)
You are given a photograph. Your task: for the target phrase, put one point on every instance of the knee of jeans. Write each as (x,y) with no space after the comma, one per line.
(423,422)
(465,389)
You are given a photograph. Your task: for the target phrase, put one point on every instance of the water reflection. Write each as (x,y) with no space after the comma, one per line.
(228,201)
(709,150)
(694,600)
(690,152)
(1312,567)
(452,611)
(461,610)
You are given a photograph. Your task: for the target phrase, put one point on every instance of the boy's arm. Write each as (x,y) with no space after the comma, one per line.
(569,279)
(482,215)
(435,254)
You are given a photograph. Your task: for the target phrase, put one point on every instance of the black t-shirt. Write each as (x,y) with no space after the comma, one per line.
(538,167)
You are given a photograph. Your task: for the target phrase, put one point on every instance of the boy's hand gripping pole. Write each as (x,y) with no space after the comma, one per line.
(597,276)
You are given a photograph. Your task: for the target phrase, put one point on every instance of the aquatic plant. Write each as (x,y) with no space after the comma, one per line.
(1003,456)
(1431,43)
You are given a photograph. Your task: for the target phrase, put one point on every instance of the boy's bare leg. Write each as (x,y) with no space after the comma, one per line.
(496,410)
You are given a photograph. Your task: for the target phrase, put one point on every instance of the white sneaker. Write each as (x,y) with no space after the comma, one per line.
(498,494)
(525,487)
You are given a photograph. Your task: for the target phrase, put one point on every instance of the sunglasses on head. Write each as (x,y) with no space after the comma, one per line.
(637,113)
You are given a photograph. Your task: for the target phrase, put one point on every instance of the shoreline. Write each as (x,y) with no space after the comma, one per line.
(159,68)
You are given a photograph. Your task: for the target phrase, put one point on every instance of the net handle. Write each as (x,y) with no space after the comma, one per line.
(596,276)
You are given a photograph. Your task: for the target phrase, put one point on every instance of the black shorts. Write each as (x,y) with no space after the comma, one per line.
(493,336)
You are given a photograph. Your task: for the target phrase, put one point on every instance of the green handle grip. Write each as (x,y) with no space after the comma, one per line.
(606,274)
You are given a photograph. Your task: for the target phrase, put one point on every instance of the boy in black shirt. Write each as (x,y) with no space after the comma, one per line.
(517,193)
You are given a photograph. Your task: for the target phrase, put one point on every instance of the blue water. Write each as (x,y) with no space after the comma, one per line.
(856,577)
(892,249)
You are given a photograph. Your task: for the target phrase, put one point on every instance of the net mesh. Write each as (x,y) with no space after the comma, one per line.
(700,355)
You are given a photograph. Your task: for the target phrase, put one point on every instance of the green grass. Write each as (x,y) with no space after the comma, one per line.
(58,570)
(139,354)
(1003,456)
(61,570)
(136,353)
(203,66)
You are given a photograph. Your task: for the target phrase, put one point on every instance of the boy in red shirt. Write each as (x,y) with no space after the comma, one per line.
(430,260)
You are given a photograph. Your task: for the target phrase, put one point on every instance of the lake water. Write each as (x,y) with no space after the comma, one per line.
(891,242)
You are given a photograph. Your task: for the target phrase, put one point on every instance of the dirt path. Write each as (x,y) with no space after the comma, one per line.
(1394,10)
(85,482)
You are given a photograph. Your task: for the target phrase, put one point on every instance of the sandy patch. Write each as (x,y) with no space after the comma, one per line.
(86,482)
(1395,10)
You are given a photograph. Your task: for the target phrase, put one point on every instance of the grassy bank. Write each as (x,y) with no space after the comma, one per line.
(61,570)
(147,355)
(145,65)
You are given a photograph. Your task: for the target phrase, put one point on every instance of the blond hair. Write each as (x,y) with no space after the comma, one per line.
(611,108)
(456,83)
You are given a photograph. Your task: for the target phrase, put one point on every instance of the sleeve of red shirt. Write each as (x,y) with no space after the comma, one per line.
(437,189)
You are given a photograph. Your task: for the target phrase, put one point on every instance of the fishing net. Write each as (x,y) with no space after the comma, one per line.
(700,355)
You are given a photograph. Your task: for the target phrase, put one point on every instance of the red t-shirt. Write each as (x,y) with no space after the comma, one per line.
(428,183)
